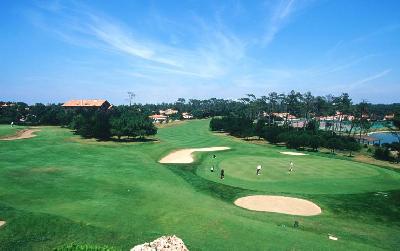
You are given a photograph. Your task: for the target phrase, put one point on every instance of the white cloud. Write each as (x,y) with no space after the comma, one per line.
(279,17)
(370,78)
(216,52)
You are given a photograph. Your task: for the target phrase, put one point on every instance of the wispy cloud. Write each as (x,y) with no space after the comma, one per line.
(217,50)
(279,17)
(377,32)
(344,65)
(370,78)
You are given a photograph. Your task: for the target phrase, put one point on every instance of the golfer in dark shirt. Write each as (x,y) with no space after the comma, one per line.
(222,173)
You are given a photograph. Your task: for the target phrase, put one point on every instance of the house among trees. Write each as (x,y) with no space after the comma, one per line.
(187,115)
(100,104)
(6,104)
(337,117)
(389,117)
(284,115)
(168,112)
(158,118)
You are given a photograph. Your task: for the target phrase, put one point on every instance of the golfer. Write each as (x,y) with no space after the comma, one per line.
(291,166)
(212,168)
(222,174)
(258,169)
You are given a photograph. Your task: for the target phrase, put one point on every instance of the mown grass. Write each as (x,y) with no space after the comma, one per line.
(56,189)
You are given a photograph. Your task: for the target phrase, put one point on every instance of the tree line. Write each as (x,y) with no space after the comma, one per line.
(303,105)
(119,122)
(311,138)
(250,107)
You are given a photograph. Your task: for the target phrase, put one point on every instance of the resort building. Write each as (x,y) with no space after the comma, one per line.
(158,118)
(168,112)
(284,115)
(388,117)
(337,117)
(88,103)
(187,115)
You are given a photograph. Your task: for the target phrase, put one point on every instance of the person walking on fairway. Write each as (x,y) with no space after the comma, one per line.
(213,157)
(222,174)
(258,169)
(291,166)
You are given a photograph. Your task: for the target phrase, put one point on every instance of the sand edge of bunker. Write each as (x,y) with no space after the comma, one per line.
(293,153)
(279,204)
(23,134)
(184,156)
(2,223)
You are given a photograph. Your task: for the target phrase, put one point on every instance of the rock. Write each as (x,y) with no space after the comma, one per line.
(164,243)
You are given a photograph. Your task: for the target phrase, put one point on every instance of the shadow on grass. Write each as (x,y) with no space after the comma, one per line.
(128,140)
(218,190)
(121,140)
(383,207)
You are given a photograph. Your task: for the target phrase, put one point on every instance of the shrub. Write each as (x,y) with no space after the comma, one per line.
(382,153)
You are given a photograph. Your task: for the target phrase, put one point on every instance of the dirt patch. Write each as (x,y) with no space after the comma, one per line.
(279,204)
(46,170)
(170,124)
(23,134)
(184,156)
(294,153)
(2,223)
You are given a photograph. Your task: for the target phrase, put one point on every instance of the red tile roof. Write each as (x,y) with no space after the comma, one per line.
(85,103)
(156,116)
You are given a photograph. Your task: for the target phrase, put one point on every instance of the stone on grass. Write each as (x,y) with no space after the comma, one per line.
(164,243)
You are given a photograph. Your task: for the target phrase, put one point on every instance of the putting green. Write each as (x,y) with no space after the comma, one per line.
(312,174)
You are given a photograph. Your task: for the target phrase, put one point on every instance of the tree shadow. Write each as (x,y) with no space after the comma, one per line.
(129,140)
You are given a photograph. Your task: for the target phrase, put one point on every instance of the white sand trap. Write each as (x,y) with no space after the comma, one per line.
(184,156)
(334,238)
(293,153)
(279,204)
(23,134)
(2,223)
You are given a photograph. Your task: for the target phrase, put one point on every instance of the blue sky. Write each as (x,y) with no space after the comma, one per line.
(52,51)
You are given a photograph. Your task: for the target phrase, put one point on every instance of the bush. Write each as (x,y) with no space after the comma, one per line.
(382,153)
(274,134)
(316,142)
(333,144)
(236,126)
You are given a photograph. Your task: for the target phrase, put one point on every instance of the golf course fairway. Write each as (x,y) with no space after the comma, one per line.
(57,189)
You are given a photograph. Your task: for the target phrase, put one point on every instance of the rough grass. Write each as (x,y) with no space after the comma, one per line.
(56,192)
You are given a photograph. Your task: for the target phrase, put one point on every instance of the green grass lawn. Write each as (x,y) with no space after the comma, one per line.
(56,189)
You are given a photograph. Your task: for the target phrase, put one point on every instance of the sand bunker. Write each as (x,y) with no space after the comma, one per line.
(279,204)
(184,156)
(23,134)
(293,153)
(2,223)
